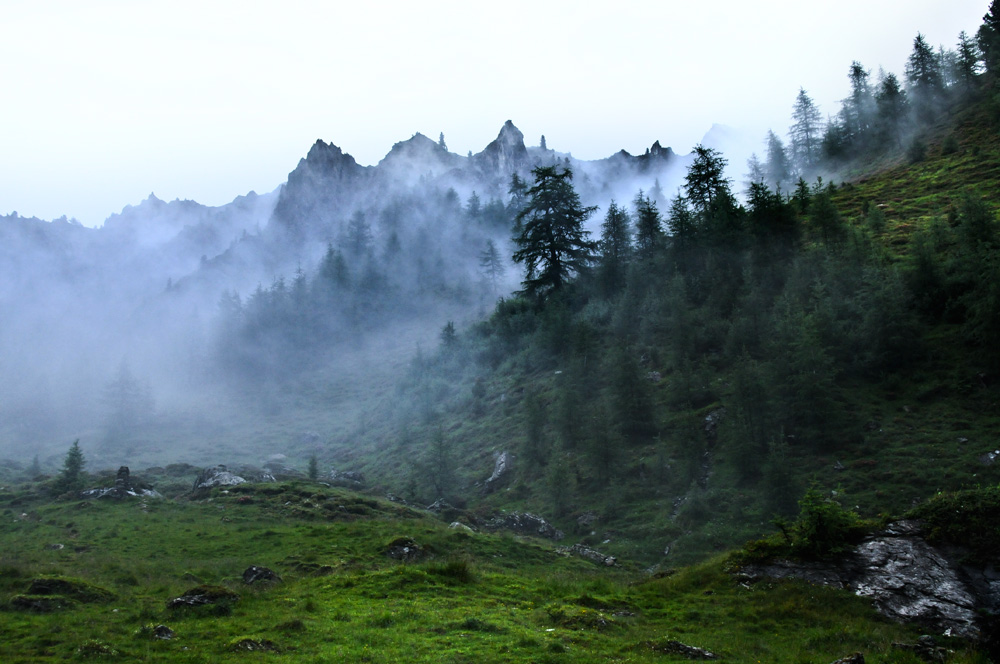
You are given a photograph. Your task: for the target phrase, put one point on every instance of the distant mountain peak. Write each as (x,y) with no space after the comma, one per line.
(504,155)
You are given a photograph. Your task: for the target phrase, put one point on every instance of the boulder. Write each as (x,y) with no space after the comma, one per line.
(217,476)
(856,658)
(203,595)
(907,579)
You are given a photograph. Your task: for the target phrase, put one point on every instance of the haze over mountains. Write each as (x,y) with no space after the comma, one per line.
(138,298)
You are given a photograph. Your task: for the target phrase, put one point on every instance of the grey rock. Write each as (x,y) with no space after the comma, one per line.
(217,476)
(501,472)
(907,579)
(592,555)
(163,632)
(123,488)
(524,523)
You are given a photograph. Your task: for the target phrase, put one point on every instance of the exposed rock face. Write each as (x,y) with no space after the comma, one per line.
(908,580)
(501,468)
(592,555)
(317,190)
(524,523)
(504,156)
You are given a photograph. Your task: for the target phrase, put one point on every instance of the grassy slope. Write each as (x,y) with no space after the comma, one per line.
(476,597)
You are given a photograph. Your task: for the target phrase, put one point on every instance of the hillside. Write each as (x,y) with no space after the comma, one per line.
(366,580)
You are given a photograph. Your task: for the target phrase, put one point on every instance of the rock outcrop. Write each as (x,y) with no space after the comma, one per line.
(524,523)
(907,579)
(123,488)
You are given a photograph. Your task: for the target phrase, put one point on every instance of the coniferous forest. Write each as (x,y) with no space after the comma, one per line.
(521,407)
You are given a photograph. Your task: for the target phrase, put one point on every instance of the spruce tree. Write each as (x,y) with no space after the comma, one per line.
(805,131)
(70,477)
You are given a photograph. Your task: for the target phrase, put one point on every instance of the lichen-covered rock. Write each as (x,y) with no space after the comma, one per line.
(217,476)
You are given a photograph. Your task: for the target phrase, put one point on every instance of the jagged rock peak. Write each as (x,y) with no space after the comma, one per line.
(323,152)
(659,151)
(505,155)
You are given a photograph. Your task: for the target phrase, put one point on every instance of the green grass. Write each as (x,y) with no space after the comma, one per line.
(473,598)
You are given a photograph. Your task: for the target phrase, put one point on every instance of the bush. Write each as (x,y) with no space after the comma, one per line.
(823,528)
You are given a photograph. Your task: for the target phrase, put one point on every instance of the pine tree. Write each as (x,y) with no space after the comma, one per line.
(892,107)
(552,243)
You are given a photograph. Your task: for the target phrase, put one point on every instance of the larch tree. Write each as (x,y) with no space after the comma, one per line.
(805,131)
(552,242)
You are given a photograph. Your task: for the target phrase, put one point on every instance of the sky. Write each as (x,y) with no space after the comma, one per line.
(107,101)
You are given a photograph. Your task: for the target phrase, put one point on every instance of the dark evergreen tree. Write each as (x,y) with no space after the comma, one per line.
(552,243)
(988,38)
(859,111)
(71,476)
(925,77)
(649,237)
(967,63)
(706,181)
(615,248)
(518,192)
(473,207)
(805,132)
(681,222)
(441,142)
(892,106)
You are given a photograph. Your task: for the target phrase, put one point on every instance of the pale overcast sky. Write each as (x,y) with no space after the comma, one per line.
(105,101)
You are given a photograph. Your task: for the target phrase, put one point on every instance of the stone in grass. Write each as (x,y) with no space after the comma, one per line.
(204,595)
(253,645)
(256,573)
(682,649)
(163,633)
(856,658)
(405,549)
